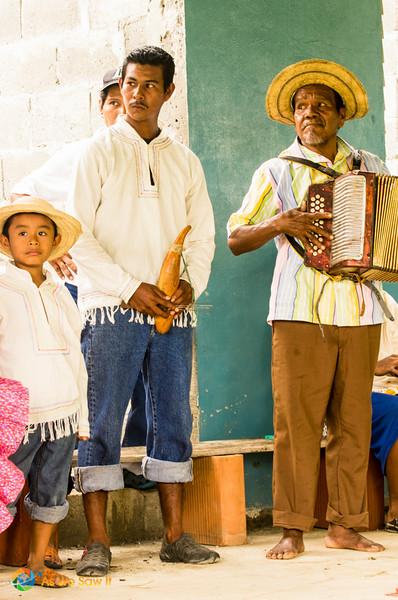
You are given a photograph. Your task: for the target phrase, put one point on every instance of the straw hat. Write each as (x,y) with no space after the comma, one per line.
(68,227)
(278,99)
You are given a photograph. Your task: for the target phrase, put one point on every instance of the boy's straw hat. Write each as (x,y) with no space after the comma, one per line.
(68,227)
(278,99)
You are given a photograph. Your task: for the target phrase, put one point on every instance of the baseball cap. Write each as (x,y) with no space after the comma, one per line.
(111,77)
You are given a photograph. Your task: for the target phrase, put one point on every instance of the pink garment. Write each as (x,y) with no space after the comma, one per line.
(14,412)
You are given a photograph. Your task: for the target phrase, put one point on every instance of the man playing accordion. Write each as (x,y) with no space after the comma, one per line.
(326,329)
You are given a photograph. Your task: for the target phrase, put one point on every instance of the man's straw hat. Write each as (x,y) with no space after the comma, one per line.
(68,227)
(278,99)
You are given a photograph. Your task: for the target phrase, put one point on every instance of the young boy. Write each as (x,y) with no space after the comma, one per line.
(40,346)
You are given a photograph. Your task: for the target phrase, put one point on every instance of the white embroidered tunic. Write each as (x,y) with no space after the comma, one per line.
(40,347)
(133,199)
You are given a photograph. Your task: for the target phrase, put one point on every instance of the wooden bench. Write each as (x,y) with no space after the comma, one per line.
(213,448)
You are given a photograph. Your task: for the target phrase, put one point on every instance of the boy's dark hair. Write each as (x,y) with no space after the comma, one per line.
(155,56)
(6,226)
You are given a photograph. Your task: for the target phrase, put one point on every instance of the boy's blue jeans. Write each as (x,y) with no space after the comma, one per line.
(115,352)
(46,465)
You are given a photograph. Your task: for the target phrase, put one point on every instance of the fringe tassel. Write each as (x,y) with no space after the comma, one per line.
(187,318)
(56,429)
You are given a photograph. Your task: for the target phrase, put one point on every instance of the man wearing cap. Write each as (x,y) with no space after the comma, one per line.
(324,346)
(52,179)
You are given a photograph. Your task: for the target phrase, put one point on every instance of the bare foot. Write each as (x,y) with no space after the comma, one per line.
(343,538)
(290,545)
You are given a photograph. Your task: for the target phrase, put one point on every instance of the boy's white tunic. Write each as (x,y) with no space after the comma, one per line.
(129,221)
(40,346)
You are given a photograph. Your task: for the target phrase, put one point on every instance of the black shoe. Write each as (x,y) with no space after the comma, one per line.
(138,482)
(391,526)
(95,561)
(186,550)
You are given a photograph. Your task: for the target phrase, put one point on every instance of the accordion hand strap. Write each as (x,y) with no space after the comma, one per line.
(356,163)
(309,163)
(293,242)
(380,298)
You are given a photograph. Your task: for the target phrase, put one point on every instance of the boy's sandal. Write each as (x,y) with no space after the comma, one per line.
(52,579)
(52,560)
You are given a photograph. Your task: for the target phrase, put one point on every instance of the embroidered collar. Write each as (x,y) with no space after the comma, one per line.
(8,269)
(122,128)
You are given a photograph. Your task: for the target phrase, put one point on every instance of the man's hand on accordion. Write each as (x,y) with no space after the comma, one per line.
(304,225)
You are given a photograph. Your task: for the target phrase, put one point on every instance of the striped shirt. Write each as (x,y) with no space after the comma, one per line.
(278,186)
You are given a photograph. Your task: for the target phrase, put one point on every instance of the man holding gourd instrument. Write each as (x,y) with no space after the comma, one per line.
(135,190)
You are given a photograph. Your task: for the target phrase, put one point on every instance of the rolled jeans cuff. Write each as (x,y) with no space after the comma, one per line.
(291,520)
(359,522)
(47,514)
(166,471)
(106,478)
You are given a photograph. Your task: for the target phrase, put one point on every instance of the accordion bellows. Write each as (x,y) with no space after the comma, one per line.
(364,225)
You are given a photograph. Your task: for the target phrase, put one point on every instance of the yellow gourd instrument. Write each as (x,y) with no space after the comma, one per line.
(169,277)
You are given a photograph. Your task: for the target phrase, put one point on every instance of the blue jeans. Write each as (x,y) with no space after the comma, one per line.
(46,465)
(72,289)
(115,353)
(136,428)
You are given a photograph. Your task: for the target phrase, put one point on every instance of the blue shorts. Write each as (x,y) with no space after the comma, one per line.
(384,425)
(115,352)
(46,466)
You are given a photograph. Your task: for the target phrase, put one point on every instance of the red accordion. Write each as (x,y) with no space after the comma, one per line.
(364,225)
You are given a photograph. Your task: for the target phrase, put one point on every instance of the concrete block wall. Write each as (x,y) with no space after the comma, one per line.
(390,50)
(53,55)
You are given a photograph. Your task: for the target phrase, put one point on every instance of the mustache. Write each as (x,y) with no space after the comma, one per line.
(142,104)
(312,122)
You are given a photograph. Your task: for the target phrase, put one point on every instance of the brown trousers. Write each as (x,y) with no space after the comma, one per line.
(313,378)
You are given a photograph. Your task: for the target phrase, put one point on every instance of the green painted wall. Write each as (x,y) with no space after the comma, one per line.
(234,48)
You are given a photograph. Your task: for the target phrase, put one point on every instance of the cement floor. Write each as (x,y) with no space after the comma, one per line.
(243,574)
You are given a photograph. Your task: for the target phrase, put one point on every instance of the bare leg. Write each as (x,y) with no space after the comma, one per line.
(344,538)
(392,477)
(290,545)
(54,537)
(40,537)
(52,558)
(170,495)
(95,504)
